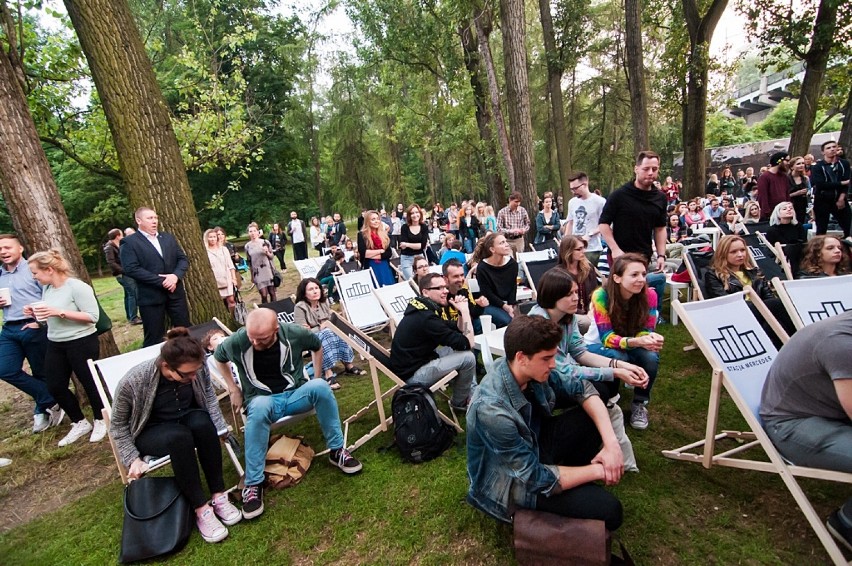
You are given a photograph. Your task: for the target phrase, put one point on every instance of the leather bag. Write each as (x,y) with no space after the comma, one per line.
(157,519)
(542,538)
(104,323)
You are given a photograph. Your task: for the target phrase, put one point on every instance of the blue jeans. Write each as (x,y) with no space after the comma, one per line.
(406,262)
(17,343)
(646,359)
(263,410)
(813,441)
(657,281)
(499,317)
(130,294)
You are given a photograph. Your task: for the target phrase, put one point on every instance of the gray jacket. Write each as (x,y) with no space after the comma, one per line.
(134,399)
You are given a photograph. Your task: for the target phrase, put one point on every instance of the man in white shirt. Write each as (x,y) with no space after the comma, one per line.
(584,211)
(296,229)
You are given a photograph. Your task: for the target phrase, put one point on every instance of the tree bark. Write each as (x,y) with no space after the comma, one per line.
(518,100)
(28,187)
(555,70)
(845,140)
(148,152)
(635,74)
(816,62)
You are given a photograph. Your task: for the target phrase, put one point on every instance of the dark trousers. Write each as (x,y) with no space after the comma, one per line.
(130,295)
(180,439)
(60,359)
(280,255)
(300,250)
(824,208)
(154,317)
(16,344)
(571,439)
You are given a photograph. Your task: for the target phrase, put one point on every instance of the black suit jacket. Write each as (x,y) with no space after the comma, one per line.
(141,261)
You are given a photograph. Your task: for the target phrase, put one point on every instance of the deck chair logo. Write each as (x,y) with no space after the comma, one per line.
(757,253)
(551,253)
(733,346)
(357,290)
(286,317)
(399,304)
(829,309)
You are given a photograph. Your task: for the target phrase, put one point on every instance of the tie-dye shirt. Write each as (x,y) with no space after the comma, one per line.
(606,334)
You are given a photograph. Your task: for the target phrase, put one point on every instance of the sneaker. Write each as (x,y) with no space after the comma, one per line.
(639,416)
(98,431)
(225,510)
(211,529)
(460,408)
(839,530)
(56,415)
(40,422)
(136,321)
(345,461)
(78,431)
(252,501)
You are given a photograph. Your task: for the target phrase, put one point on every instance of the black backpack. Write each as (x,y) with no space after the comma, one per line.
(418,431)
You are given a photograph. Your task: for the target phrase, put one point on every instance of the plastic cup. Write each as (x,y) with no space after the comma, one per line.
(6,296)
(37,305)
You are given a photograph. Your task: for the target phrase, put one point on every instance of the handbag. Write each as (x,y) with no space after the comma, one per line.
(240,310)
(287,461)
(542,538)
(104,324)
(157,519)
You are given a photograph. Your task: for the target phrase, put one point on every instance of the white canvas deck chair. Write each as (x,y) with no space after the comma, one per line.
(107,373)
(812,300)
(359,303)
(394,300)
(542,255)
(307,268)
(379,360)
(740,353)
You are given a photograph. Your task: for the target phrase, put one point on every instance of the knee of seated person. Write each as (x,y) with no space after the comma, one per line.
(612,512)
(318,387)
(468,360)
(260,408)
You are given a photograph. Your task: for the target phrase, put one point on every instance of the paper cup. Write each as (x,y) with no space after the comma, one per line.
(6,296)
(35,306)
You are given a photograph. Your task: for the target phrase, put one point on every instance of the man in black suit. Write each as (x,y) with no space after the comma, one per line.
(157,263)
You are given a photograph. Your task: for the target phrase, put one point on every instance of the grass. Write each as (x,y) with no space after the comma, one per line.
(398,513)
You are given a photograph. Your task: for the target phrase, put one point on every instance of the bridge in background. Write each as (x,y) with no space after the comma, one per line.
(755,101)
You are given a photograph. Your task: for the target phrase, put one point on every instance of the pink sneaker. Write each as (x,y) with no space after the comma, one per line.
(210,527)
(226,511)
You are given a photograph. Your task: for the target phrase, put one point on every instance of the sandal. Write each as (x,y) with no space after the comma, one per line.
(332,382)
(354,371)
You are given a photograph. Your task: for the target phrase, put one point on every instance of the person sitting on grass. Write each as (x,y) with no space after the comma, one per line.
(521,455)
(268,358)
(167,407)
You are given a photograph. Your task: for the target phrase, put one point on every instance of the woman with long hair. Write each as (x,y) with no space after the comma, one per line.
(70,308)
(222,266)
(260,254)
(311,311)
(572,258)
(374,248)
(694,214)
(824,256)
(676,232)
(497,275)
(800,187)
(168,407)
(727,183)
(751,213)
(318,235)
(730,223)
(490,224)
(547,221)
(413,239)
(625,315)
(468,228)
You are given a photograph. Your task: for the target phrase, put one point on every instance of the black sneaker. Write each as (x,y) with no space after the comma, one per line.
(345,461)
(838,530)
(252,501)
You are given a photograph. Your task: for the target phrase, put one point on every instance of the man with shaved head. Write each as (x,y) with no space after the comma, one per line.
(268,358)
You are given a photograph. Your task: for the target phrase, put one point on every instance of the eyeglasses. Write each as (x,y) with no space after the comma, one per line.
(186,375)
(441,288)
(577,187)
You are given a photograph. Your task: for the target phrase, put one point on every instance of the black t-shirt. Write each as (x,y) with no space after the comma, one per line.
(633,214)
(267,368)
(172,401)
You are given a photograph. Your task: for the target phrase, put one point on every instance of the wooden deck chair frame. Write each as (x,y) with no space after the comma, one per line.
(537,269)
(342,287)
(822,290)
(757,437)
(106,375)
(394,300)
(369,349)
(780,256)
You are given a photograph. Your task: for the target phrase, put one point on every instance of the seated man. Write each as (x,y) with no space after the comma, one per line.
(806,405)
(425,347)
(454,274)
(268,358)
(519,455)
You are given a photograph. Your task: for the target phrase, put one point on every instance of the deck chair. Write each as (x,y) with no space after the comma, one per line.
(535,269)
(359,303)
(394,300)
(350,266)
(764,256)
(740,353)
(543,255)
(546,245)
(755,227)
(394,263)
(307,268)
(379,360)
(107,373)
(810,300)
(787,256)
(697,263)
(284,309)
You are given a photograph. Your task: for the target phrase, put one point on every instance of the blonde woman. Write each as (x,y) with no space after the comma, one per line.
(259,252)
(374,248)
(222,266)
(751,213)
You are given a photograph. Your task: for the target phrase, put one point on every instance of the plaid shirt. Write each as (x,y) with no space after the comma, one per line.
(511,223)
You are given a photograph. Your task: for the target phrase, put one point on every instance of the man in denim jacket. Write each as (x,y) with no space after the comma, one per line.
(521,456)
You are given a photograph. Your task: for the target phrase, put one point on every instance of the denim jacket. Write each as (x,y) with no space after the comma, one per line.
(502,452)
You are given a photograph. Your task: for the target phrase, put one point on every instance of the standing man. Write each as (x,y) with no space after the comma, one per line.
(514,222)
(584,212)
(278,240)
(830,180)
(128,284)
(157,263)
(773,186)
(22,337)
(298,236)
(338,230)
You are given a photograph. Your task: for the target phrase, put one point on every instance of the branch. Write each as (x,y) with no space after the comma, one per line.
(105,171)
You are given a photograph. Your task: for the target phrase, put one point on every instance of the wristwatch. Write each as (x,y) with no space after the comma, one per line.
(61,314)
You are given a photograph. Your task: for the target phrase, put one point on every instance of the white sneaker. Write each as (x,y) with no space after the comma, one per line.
(212,530)
(40,422)
(56,415)
(98,431)
(78,431)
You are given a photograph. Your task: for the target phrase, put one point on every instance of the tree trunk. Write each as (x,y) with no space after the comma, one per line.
(28,186)
(431,178)
(148,152)
(554,89)
(695,114)
(816,62)
(395,188)
(845,140)
(314,141)
(636,74)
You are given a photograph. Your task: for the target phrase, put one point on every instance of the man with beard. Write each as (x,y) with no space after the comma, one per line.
(830,180)
(773,186)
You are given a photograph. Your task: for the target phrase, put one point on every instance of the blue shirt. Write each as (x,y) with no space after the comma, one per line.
(24,290)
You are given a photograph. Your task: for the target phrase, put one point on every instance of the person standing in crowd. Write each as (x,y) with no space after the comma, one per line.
(259,253)
(800,188)
(158,264)
(713,185)
(469,227)
(127,283)
(318,236)
(513,222)
(71,310)
(338,230)
(773,186)
(830,177)
(584,212)
(547,221)
(413,240)
(298,236)
(671,191)
(490,222)
(374,248)
(453,219)
(223,268)
(278,241)
(23,338)
(727,184)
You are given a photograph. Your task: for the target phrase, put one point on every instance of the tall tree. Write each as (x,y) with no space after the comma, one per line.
(555,69)
(148,152)
(636,74)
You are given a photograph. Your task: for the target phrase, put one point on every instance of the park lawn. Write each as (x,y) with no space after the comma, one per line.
(398,513)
